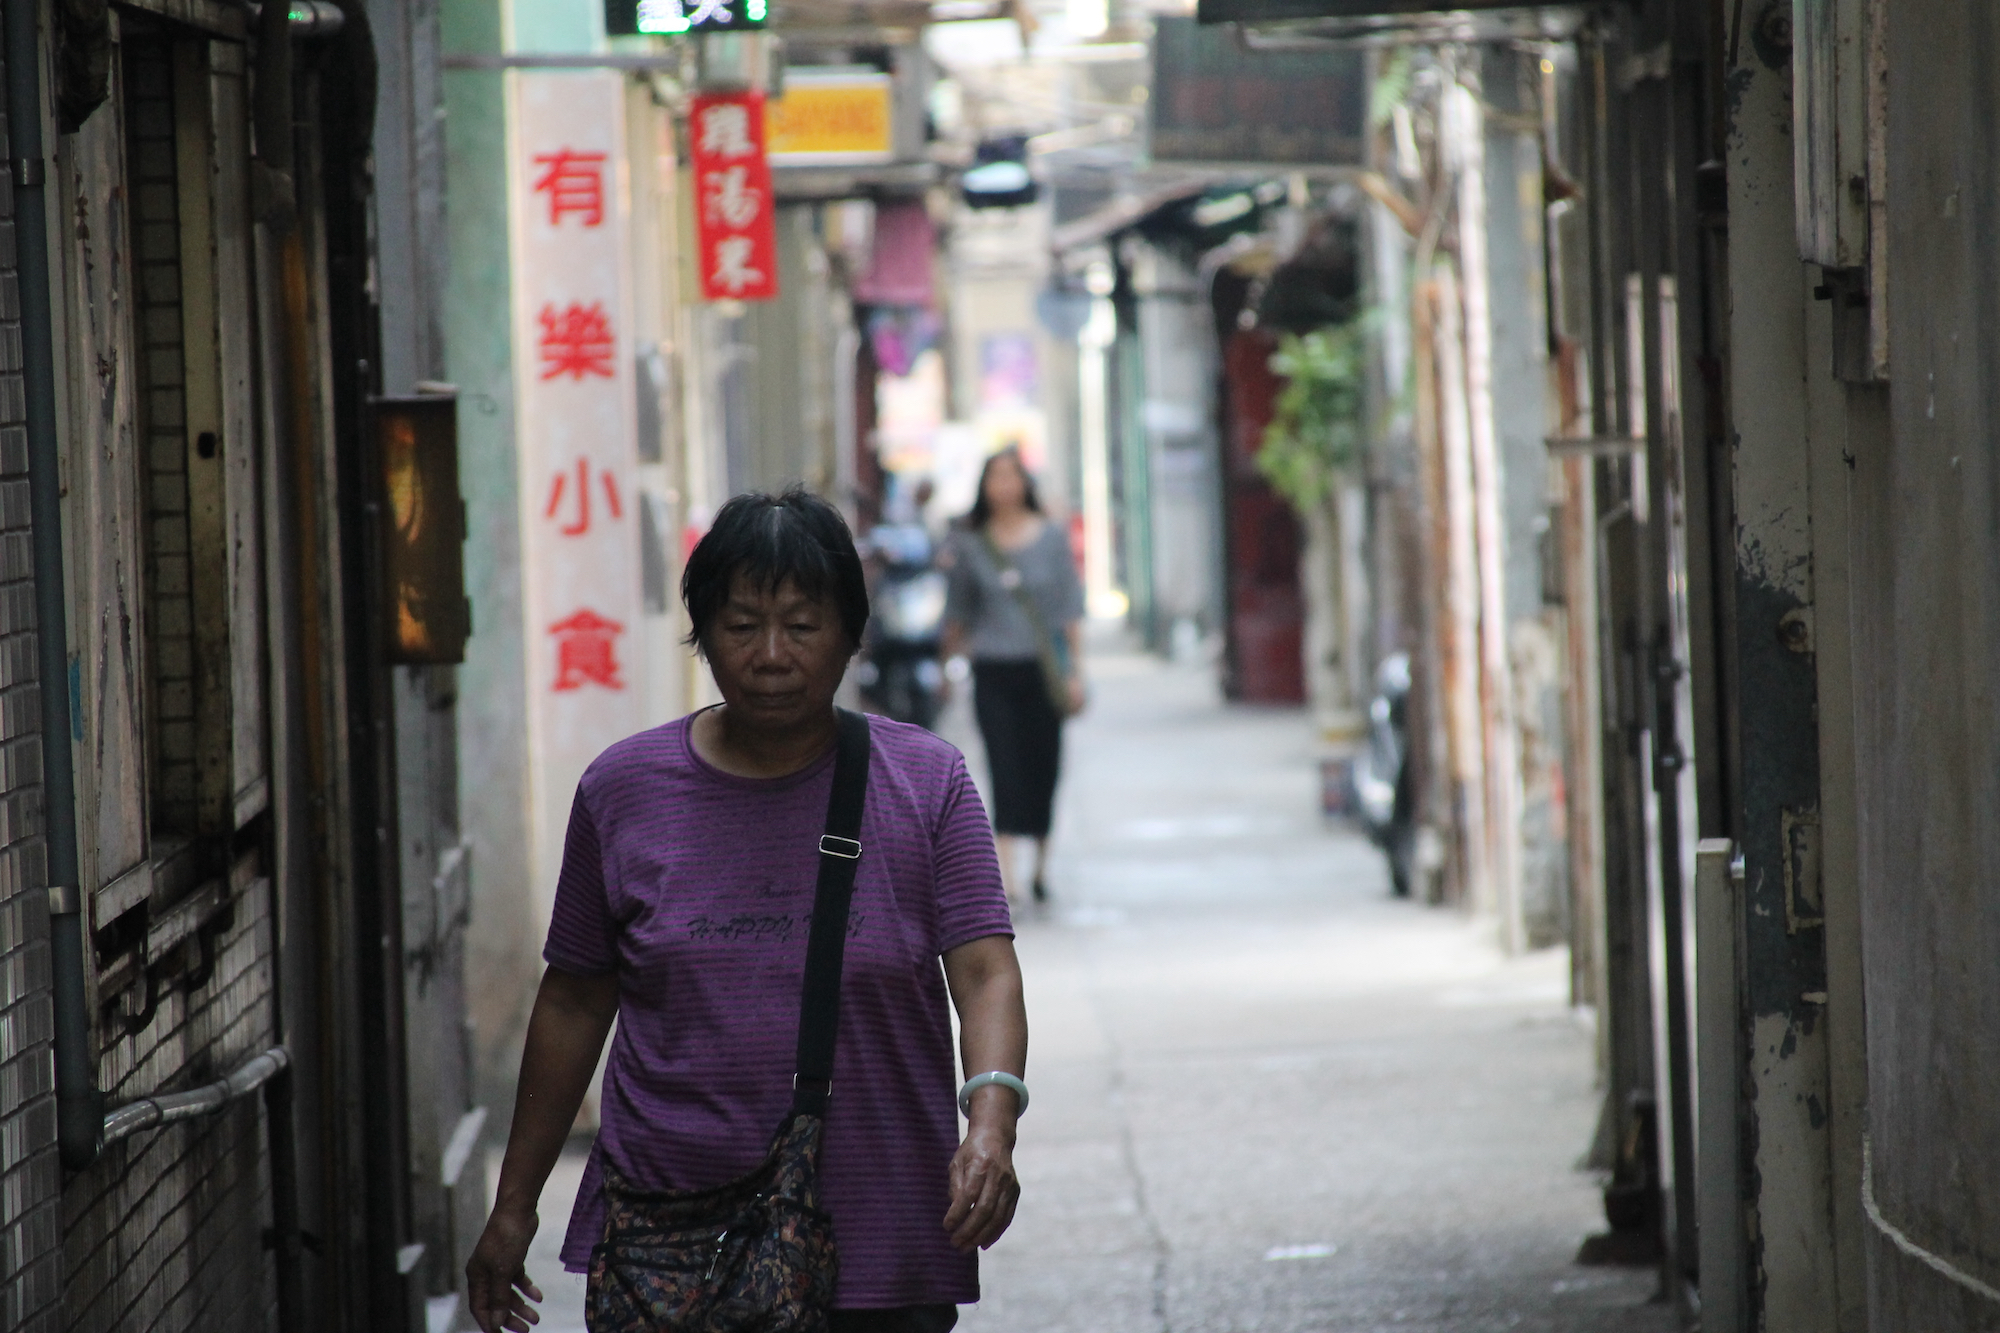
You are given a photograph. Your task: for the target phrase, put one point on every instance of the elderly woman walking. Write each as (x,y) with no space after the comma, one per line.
(1016,608)
(761,894)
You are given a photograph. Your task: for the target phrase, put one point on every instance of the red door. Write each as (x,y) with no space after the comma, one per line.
(1265,644)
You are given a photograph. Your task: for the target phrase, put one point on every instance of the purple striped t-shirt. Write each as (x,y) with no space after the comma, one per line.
(696,886)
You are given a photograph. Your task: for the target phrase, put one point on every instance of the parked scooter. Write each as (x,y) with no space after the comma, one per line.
(902,674)
(1383,785)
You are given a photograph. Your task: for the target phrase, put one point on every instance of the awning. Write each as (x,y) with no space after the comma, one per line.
(1270,11)
(1120,215)
(1370,22)
(818,184)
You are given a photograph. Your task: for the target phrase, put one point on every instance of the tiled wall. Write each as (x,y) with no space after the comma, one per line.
(165,1232)
(30,1176)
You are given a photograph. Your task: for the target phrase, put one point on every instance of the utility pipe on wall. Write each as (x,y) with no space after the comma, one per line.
(1461,593)
(79,1102)
(207,1099)
(1101,596)
(1501,771)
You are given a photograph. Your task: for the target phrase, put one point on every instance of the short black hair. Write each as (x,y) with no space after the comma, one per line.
(794,538)
(981,511)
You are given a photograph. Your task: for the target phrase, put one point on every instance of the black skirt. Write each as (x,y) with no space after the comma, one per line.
(1023,735)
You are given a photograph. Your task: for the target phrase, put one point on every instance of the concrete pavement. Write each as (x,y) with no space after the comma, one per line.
(1268,1097)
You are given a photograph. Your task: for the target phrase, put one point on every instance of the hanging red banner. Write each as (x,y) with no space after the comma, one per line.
(735,236)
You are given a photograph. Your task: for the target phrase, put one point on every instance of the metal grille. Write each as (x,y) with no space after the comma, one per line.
(162,368)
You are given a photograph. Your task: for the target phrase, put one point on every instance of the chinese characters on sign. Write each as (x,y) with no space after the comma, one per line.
(589,677)
(735,239)
(624,18)
(574,183)
(832,114)
(577,341)
(586,651)
(580,501)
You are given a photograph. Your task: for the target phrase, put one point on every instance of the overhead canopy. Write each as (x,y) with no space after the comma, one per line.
(1265,11)
(1194,213)
(1120,215)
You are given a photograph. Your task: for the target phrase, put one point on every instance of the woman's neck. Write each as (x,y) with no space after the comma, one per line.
(751,752)
(1010,527)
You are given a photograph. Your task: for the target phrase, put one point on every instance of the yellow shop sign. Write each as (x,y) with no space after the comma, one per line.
(831,116)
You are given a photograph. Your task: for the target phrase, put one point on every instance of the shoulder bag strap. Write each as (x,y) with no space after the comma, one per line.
(826,946)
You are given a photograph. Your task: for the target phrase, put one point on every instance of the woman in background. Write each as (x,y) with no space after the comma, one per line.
(1016,609)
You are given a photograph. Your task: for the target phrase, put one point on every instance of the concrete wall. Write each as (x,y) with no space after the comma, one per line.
(778,433)
(502,947)
(1522,419)
(1926,587)
(1178,417)
(435,863)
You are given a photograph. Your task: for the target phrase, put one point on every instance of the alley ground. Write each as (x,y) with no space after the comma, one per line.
(1268,1098)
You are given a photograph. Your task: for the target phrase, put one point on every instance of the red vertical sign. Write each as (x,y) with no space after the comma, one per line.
(737,244)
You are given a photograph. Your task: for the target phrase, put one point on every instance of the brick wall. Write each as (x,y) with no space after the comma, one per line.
(30,1176)
(166,1231)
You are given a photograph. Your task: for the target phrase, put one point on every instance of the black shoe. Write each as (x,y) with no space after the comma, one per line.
(1041,890)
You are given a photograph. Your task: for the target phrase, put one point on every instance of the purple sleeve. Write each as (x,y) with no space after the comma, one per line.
(972,903)
(583,938)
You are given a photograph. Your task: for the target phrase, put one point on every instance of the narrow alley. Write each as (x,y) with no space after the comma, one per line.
(1269,1097)
(1516,486)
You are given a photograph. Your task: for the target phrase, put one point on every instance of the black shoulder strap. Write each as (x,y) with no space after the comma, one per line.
(826,946)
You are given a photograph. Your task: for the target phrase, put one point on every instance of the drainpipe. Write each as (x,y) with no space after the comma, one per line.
(79,1103)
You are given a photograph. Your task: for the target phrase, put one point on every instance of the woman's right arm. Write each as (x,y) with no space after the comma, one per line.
(961,603)
(566,1034)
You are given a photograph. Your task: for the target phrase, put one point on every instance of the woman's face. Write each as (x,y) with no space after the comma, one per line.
(1006,488)
(777,656)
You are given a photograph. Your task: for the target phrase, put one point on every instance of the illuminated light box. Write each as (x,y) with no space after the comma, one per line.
(668,18)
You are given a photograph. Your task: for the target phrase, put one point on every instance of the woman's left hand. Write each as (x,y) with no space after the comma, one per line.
(983,1188)
(1078,695)
(985,981)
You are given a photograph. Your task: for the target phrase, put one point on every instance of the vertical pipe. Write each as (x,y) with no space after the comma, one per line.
(1654,106)
(1719,1053)
(1430,716)
(1094,413)
(297,1020)
(846,366)
(1126,433)
(1461,656)
(79,1102)
(1502,771)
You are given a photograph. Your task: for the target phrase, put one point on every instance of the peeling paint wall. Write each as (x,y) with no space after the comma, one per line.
(1784,1116)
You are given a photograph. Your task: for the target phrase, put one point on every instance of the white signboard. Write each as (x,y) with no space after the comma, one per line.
(576,440)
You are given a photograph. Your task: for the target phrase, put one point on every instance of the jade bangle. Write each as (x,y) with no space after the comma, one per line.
(978,1081)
